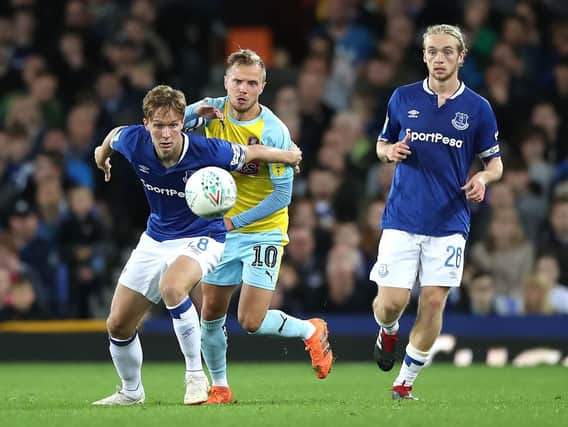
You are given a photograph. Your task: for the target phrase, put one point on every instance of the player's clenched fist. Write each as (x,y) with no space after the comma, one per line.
(400,150)
(474,189)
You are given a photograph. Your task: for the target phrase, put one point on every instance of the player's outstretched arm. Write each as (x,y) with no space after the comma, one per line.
(475,187)
(397,152)
(103,153)
(274,155)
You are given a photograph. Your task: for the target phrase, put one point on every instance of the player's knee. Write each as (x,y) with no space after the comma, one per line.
(119,329)
(250,324)
(389,306)
(433,303)
(172,292)
(212,312)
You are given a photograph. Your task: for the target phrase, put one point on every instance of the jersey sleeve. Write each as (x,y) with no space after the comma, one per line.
(391,127)
(217,152)
(280,197)
(278,136)
(192,121)
(486,138)
(126,139)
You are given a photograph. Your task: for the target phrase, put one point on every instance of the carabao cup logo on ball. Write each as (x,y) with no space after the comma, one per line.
(210,192)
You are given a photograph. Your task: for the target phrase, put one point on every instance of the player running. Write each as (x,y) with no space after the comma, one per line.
(433,131)
(258,224)
(178,248)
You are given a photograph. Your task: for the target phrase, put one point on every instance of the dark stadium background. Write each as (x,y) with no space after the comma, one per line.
(71,70)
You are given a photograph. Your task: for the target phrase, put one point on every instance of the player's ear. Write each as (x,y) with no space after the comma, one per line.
(225,82)
(145,122)
(262,88)
(424,55)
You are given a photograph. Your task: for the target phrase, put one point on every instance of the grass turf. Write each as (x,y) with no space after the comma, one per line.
(288,394)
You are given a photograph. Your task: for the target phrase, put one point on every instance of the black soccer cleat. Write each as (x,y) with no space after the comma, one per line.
(384,352)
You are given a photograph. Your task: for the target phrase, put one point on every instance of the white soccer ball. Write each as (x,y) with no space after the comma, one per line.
(210,192)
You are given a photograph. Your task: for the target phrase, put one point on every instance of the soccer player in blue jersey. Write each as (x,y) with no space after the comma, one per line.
(259,224)
(178,248)
(433,131)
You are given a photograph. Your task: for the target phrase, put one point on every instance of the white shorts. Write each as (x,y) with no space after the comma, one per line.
(403,257)
(150,259)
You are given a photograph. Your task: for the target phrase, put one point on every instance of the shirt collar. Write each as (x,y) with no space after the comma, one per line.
(184,149)
(429,91)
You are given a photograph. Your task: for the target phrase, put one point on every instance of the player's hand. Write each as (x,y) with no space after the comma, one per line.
(103,163)
(399,151)
(296,156)
(228,223)
(475,189)
(209,112)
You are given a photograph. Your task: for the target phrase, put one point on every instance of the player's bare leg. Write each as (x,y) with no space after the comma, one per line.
(425,331)
(216,301)
(388,306)
(257,319)
(177,282)
(127,310)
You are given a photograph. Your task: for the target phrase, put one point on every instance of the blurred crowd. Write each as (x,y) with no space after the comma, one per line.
(70,70)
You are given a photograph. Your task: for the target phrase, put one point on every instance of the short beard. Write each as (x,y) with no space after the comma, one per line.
(241,110)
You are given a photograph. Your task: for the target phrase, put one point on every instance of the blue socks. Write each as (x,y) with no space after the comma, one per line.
(214,349)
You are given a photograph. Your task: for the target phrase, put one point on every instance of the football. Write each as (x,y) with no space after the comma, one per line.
(210,192)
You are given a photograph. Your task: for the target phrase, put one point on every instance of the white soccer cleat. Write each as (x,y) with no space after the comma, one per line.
(120,399)
(196,390)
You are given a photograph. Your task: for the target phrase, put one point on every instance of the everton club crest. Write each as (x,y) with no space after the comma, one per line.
(460,121)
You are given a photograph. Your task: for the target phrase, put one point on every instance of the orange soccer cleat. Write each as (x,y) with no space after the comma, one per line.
(320,349)
(219,395)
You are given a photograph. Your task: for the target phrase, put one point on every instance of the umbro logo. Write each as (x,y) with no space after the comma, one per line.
(143,169)
(413,114)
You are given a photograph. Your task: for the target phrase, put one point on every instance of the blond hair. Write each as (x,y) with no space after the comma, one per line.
(451,30)
(247,57)
(542,283)
(163,96)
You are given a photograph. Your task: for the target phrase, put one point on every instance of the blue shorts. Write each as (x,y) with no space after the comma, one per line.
(251,258)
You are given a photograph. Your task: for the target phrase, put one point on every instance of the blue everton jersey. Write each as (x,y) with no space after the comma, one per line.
(426,195)
(170,218)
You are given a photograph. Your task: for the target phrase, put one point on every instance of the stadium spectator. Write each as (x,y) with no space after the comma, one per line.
(548,265)
(505,253)
(35,250)
(322,185)
(534,145)
(81,240)
(73,66)
(537,295)
(346,291)
(353,45)
(19,271)
(555,239)
(481,295)
(545,115)
(530,201)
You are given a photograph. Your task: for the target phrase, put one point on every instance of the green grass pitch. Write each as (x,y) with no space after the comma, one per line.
(288,394)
